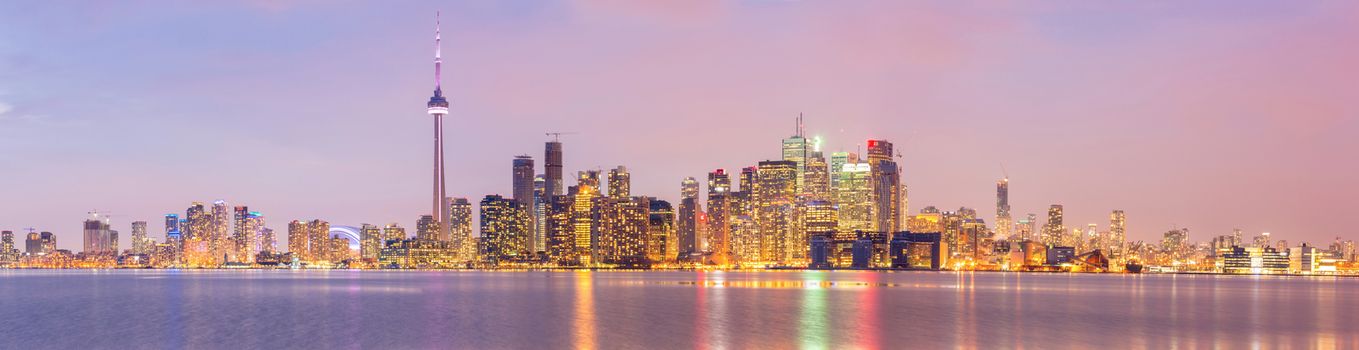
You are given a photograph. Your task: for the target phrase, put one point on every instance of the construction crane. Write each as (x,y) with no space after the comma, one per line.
(557,136)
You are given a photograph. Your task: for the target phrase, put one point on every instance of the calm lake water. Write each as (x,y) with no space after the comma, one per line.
(660,310)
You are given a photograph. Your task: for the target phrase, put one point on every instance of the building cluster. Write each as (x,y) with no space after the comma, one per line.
(807,209)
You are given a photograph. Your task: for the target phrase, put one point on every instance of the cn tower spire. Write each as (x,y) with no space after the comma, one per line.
(438,57)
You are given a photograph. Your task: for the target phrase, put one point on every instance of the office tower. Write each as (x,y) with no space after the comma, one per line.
(393,232)
(620,182)
(838,161)
(622,225)
(745,241)
(552,169)
(582,219)
(539,214)
(747,181)
(139,240)
(1054,230)
(504,229)
(816,179)
(811,218)
(1003,220)
(975,238)
(591,178)
(438,107)
(687,227)
(854,196)
(523,192)
(775,195)
(718,237)
(427,228)
(795,149)
(661,240)
(460,220)
(370,241)
(886,182)
(1118,233)
(97,235)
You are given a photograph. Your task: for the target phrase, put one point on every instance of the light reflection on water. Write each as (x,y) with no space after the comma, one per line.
(708,310)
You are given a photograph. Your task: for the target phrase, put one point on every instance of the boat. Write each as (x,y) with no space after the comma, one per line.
(1132,267)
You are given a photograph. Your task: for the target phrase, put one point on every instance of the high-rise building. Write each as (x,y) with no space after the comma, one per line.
(558,230)
(504,229)
(7,251)
(1054,229)
(796,149)
(620,182)
(838,161)
(622,228)
(370,241)
(661,240)
(539,214)
(268,241)
(219,243)
(719,210)
(582,220)
(460,220)
(775,199)
(552,169)
(427,228)
(319,244)
(1003,220)
(816,178)
(140,243)
(523,192)
(886,183)
(98,239)
(248,234)
(438,107)
(854,197)
(393,232)
(298,238)
(40,243)
(1118,233)
(687,225)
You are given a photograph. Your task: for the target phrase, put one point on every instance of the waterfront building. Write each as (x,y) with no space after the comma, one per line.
(539,214)
(427,228)
(1118,233)
(1060,255)
(460,232)
(370,242)
(504,229)
(219,243)
(419,254)
(552,169)
(623,225)
(7,251)
(582,220)
(393,232)
(919,250)
(1255,261)
(140,243)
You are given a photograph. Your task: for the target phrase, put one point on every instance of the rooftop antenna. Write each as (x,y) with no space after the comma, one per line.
(557,136)
(438,55)
(1003,171)
(800,129)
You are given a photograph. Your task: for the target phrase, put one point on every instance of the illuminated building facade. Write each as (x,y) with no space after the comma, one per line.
(522,173)
(796,149)
(775,199)
(1118,234)
(719,217)
(460,232)
(816,178)
(661,241)
(687,225)
(1004,223)
(1054,230)
(582,223)
(427,228)
(885,179)
(504,229)
(140,243)
(98,238)
(623,224)
(370,241)
(854,196)
(620,182)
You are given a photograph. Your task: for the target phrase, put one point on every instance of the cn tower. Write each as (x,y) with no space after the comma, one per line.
(438,107)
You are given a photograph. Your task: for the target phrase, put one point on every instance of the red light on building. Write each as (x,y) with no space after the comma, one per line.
(872,143)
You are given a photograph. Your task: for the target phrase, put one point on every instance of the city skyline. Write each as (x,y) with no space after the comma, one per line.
(324,185)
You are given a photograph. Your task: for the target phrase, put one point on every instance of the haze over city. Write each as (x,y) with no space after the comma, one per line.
(1203,117)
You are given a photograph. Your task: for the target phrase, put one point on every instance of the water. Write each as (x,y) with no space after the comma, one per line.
(650,310)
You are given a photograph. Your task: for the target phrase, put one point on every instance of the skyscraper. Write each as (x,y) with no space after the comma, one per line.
(370,241)
(7,251)
(582,220)
(140,243)
(796,149)
(775,195)
(816,178)
(838,161)
(660,245)
(460,228)
(438,107)
(687,225)
(245,239)
(552,169)
(620,182)
(1118,233)
(719,211)
(524,195)
(886,182)
(622,226)
(540,202)
(1003,220)
(504,229)
(220,224)
(854,196)
(1054,229)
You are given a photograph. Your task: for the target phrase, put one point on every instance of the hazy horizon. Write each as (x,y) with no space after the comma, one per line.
(1188,115)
